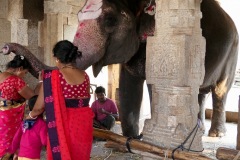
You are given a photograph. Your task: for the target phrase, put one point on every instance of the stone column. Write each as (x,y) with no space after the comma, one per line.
(13,26)
(175,68)
(5,24)
(60,22)
(52,32)
(5,34)
(113,81)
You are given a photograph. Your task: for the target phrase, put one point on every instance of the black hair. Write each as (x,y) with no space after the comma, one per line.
(100,89)
(19,61)
(32,101)
(66,52)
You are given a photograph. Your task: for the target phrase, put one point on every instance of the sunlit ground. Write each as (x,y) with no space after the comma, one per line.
(211,144)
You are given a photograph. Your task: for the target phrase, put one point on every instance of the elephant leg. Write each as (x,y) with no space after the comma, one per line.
(218,128)
(201,102)
(149,86)
(130,95)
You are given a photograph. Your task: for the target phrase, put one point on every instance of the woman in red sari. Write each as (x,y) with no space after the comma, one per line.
(13,93)
(65,96)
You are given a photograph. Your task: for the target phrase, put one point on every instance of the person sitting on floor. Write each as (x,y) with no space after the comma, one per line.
(105,110)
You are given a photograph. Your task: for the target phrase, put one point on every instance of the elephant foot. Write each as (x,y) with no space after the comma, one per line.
(216,133)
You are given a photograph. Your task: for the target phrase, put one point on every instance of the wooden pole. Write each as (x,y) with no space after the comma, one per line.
(147,147)
(227,154)
(238,126)
(230,115)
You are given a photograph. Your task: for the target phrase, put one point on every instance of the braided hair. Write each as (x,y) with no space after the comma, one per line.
(66,52)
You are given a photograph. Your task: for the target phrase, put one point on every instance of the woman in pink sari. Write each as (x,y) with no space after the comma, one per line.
(13,93)
(65,96)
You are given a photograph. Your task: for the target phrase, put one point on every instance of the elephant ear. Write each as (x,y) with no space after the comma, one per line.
(146,18)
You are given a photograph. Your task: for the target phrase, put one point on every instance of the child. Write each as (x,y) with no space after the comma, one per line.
(31,137)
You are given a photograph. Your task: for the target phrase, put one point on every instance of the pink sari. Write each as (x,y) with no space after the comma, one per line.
(10,120)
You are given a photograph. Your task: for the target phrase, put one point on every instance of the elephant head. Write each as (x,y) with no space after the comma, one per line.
(110,31)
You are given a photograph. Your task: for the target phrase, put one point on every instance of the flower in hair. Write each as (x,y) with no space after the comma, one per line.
(22,57)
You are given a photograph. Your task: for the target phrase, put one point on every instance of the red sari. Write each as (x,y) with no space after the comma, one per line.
(69,122)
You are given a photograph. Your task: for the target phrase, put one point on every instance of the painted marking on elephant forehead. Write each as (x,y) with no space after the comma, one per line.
(80,26)
(91,7)
(77,35)
(91,10)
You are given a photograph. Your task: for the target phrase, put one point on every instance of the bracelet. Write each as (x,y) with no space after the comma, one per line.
(29,114)
(40,81)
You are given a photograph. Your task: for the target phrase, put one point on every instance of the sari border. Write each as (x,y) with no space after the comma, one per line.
(50,114)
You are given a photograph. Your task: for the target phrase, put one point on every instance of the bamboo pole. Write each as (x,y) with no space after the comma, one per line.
(227,154)
(230,115)
(147,147)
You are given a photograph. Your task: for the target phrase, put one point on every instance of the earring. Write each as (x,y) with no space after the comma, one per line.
(57,60)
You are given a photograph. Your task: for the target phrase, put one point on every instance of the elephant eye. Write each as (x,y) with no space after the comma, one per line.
(110,21)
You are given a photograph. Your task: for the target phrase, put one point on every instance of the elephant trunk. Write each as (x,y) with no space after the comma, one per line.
(18,49)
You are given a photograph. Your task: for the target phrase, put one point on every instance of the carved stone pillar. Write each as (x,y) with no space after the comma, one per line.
(53,32)
(13,26)
(175,68)
(113,81)
(5,24)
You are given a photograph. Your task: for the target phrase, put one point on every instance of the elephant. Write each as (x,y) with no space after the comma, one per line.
(121,28)
(111,32)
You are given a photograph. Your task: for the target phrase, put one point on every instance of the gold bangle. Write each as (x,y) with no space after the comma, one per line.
(29,114)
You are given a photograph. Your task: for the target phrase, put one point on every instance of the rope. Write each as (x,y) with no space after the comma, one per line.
(139,137)
(181,146)
(128,144)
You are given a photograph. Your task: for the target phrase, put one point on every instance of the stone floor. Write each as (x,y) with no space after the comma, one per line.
(99,152)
